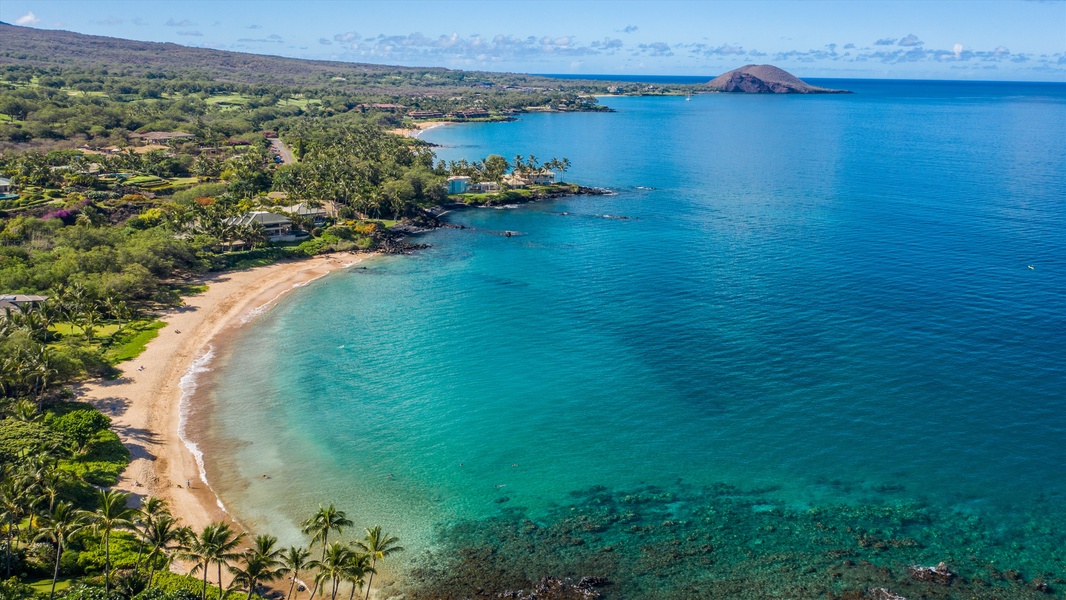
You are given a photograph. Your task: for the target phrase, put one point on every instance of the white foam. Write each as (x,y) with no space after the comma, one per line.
(259,310)
(187,385)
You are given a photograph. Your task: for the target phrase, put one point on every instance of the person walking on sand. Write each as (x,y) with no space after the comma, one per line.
(188,483)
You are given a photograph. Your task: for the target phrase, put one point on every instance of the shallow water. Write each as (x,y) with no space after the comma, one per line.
(828,300)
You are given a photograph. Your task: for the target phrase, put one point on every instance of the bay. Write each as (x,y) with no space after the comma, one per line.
(829,300)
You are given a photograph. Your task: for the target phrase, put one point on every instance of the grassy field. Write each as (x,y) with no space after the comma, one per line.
(117,346)
(228,99)
(299,102)
(101,331)
(44,586)
(132,341)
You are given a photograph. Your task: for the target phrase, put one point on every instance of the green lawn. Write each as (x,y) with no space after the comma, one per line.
(299,102)
(118,346)
(132,341)
(44,586)
(190,289)
(101,331)
(231,99)
(183,181)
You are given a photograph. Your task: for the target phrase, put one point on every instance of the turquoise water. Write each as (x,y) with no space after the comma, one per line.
(821,300)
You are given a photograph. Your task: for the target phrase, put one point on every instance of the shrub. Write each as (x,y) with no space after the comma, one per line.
(104,460)
(81,425)
(13,589)
(84,592)
(23,438)
(177,586)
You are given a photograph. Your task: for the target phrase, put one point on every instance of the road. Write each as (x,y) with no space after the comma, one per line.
(283,151)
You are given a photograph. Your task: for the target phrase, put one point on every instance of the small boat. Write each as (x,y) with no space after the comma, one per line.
(688,98)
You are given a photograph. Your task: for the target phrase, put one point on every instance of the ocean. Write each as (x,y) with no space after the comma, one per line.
(802,332)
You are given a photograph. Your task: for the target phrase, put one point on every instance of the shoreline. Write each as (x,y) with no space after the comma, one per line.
(148,403)
(419,128)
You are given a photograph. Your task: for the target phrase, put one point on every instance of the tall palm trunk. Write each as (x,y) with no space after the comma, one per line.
(292,586)
(203,594)
(221,594)
(8,552)
(370,581)
(107,563)
(55,573)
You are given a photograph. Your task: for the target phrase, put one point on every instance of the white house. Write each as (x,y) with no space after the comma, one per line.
(5,186)
(544,177)
(484,187)
(458,184)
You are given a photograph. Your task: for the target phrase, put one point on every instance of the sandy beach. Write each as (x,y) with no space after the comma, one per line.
(144,404)
(419,128)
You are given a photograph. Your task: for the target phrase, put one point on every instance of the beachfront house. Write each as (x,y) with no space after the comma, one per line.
(544,177)
(458,184)
(526,179)
(317,214)
(475,113)
(277,228)
(22,302)
(484,187)
(425,114)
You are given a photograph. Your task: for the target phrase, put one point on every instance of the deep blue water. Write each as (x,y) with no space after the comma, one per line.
(844,298)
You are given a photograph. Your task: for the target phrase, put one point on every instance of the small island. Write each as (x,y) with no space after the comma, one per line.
(765,79)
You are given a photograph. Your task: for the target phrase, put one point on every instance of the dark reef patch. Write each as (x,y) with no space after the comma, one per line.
(723,542)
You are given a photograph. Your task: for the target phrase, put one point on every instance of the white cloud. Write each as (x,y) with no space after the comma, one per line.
(27,19)
(957,49)
(910,40)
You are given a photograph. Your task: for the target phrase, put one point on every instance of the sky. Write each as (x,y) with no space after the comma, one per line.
(1005,40)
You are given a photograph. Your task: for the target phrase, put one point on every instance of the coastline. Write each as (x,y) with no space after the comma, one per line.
(419,128)
(147,406)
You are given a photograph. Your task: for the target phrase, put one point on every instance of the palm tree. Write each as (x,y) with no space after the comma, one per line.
(151,509)
(51,485)
(225,545)
(378,546)
(295,558)
(333,567)
(163,535)
(111,515)
(89,318)
(215,544)
(324,521)
(199,552)
(58,526)
(262,563)
(358,567)
(14,504)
